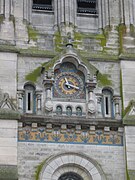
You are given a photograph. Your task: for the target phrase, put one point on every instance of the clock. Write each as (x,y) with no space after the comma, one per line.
(69,82)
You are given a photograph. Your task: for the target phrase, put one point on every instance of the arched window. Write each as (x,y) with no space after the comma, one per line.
(68,111)
(29,99)
(59,110)
(78,111)
(107,103)
(42,5)
(87,6)
(70,176)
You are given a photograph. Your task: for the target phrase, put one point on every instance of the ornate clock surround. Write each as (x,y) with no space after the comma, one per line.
(69,79)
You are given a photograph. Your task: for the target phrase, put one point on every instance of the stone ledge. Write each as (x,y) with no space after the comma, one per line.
(29,119)
(8,172)
(9,114)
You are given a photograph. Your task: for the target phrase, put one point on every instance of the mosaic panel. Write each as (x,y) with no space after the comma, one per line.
(70,136)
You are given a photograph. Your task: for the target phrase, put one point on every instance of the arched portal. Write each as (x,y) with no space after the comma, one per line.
(71,166)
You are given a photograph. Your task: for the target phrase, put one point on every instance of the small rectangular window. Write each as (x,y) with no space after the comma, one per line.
(29,102)
(107,106)
(42,5)
(86,6)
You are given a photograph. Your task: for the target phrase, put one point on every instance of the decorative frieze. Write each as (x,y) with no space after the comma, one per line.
(74,135)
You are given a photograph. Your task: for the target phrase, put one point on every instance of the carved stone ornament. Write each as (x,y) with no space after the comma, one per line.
(6,102)
(48,105)
(91,107)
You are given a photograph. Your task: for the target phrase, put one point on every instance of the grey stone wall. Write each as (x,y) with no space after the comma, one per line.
(8,74)
(110,158)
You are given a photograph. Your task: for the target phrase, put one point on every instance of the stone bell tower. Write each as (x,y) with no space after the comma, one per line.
(67,90)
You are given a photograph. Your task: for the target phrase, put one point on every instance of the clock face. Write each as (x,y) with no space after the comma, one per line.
(69,82)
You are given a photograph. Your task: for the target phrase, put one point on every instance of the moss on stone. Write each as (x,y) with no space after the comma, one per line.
(8,172)
(12,18)
(8,48)
(103,56)
(36,73)
(121,93)
(9,114)
(127,109)
(122,30)
(1,18)
(36,52)
(39,169)
(132,30)
(103,80)
(131,175)
(128,56)
(32,33)
(58,41)
(129,119)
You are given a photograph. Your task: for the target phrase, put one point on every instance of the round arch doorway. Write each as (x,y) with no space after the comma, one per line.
(70,176)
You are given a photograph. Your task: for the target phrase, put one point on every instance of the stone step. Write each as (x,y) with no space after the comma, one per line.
(112,45)
(129,46)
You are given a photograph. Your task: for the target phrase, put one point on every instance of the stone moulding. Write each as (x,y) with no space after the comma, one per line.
(54,167)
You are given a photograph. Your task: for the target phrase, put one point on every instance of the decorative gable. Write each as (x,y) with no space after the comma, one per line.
(129,117)
(7,108)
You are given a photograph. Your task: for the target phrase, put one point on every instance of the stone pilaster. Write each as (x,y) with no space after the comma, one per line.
(20,96)
(91,84)
(65,15)
(39,102)
(116,100)
(48,83)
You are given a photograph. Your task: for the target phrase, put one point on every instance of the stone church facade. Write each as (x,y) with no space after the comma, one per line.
(67,89)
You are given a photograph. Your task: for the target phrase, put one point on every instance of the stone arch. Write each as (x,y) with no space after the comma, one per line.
(85,167)
(72,58)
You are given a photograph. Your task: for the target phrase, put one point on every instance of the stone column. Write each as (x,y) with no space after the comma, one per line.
(20,95)
(7,27)
(48,83)
(38,102)
(65,15)
(127,14)
(116,100)
(133,12)
(99,105)
(122,20)
(2,7)
(20,27)
(28,12)
(91,97)
(100,14)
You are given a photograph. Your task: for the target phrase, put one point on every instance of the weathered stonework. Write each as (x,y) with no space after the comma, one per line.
(67,89)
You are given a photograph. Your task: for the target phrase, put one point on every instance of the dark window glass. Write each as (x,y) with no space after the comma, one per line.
(86,6)
(29,101)
(70,176)
(106,105)
(42,5)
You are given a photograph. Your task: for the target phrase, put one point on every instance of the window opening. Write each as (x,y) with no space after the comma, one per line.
(78,111)
(29,99)
(42,5)
(68,111)
(107,103)
(70,176)
(87,6)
